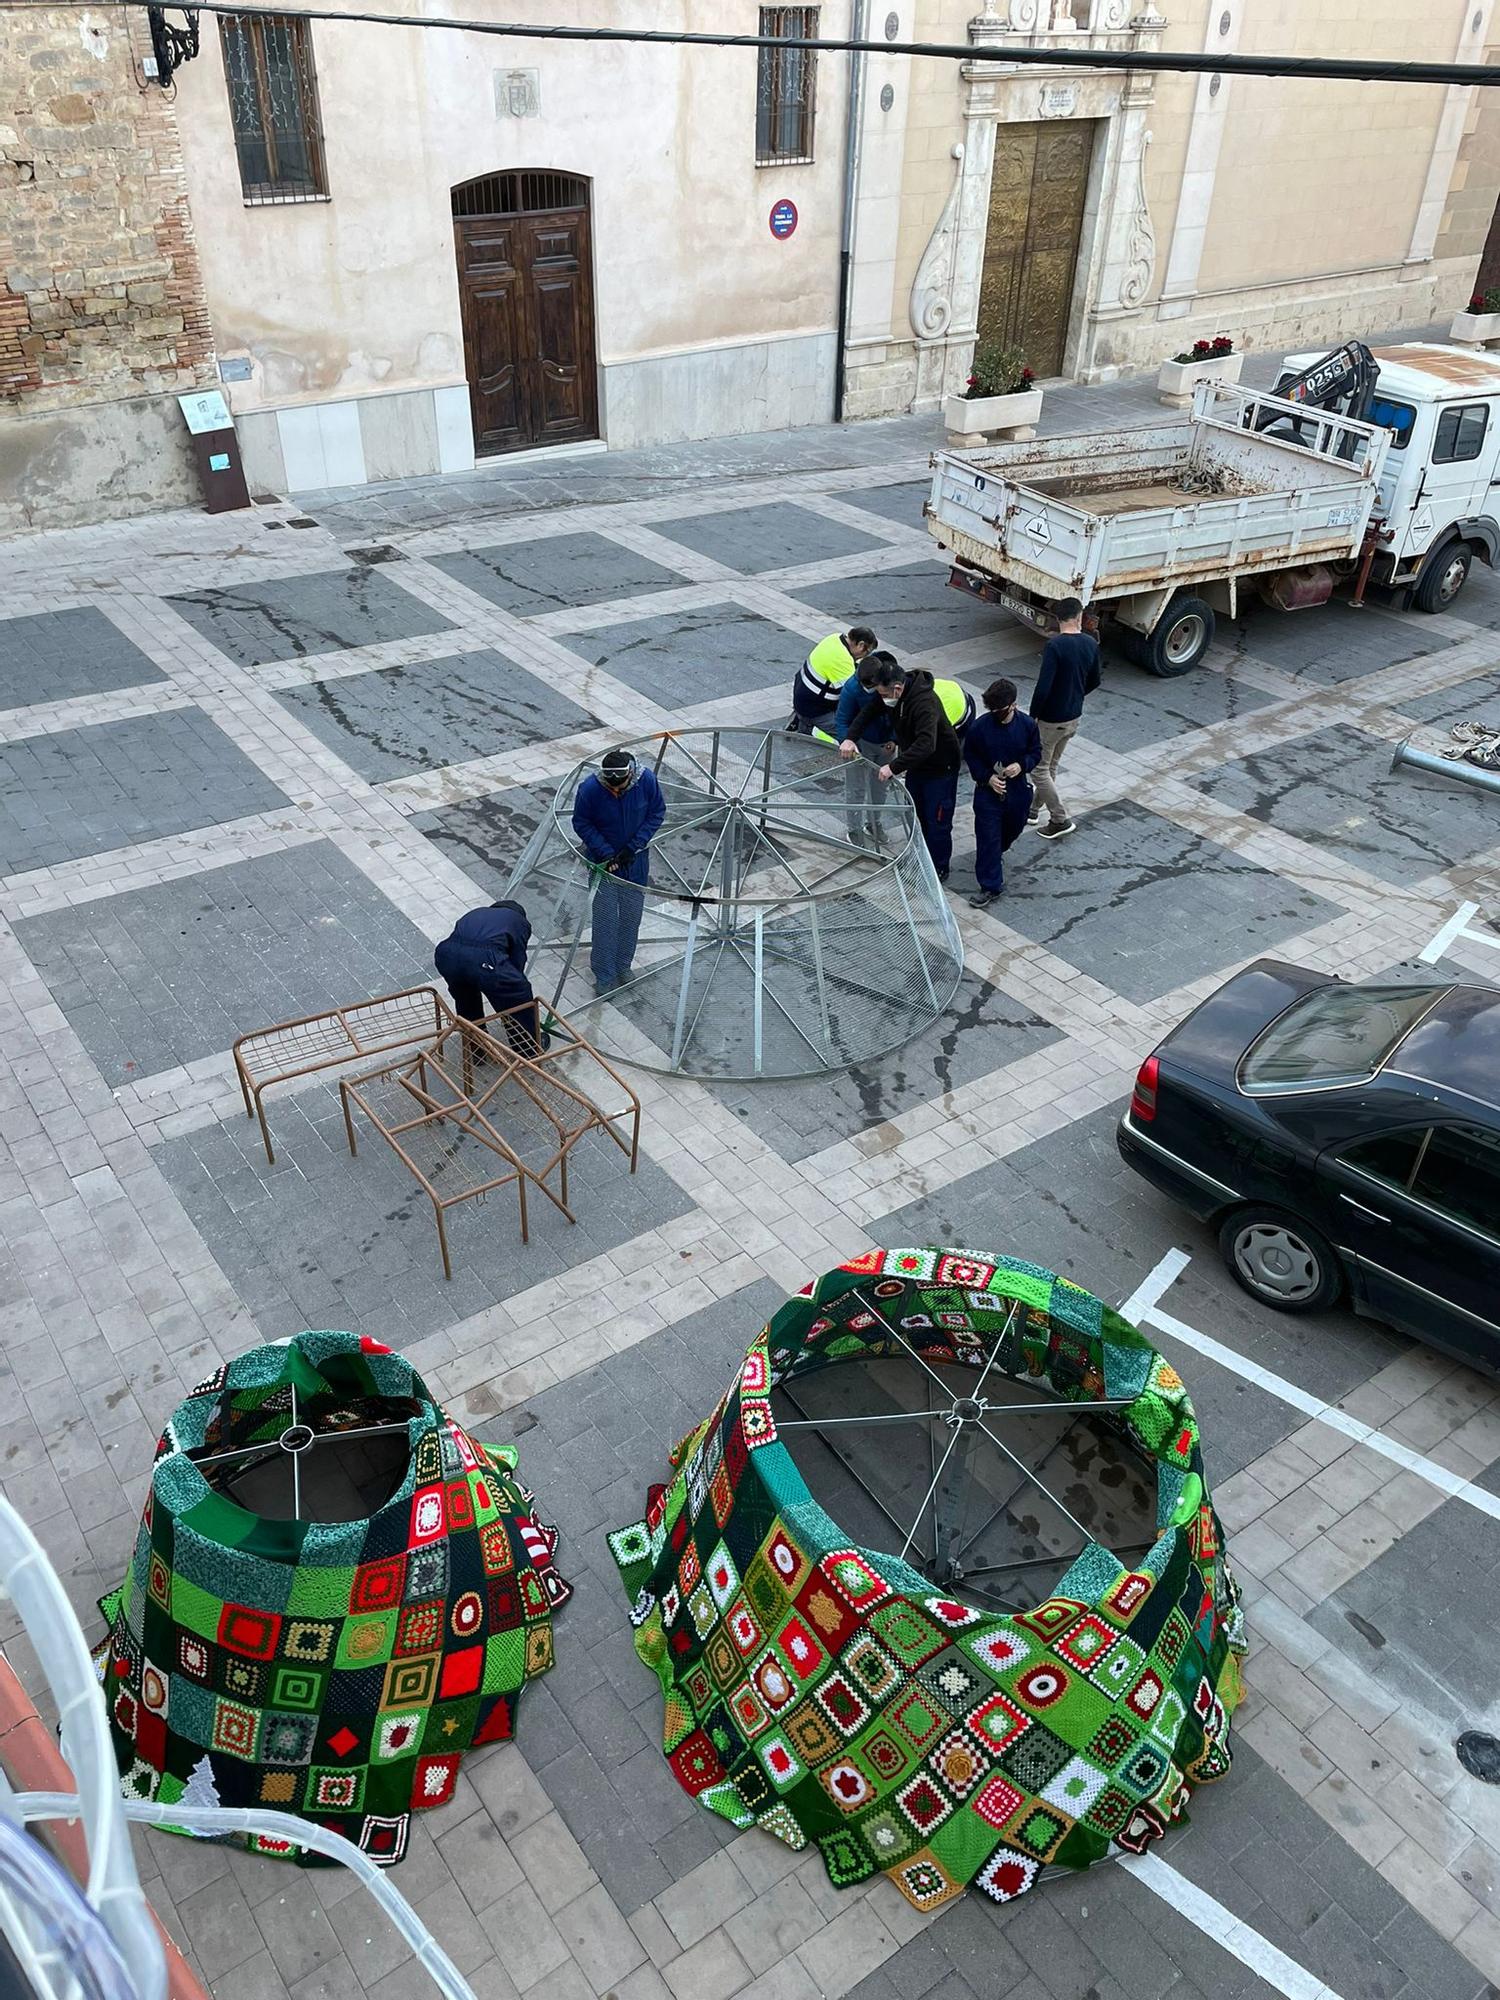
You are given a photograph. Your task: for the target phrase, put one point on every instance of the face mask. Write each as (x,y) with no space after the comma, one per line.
(890,700)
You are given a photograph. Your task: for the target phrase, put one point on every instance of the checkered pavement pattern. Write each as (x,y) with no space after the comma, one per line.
(284,769)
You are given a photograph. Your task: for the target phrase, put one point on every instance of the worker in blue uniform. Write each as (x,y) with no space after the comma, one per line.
(1002,749)
(483,962)
(617,812)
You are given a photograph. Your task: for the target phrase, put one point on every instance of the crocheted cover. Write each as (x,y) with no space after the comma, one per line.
(830,1694)
(338,1671)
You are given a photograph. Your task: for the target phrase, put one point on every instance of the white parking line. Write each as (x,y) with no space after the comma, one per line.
(1266,1960)
(1154,1285)
(1456,927)
(1141,1308)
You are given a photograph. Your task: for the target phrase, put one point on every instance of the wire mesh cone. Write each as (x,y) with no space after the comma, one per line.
(793,924)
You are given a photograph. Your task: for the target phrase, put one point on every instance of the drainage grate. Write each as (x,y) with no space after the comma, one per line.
(1480,1755)
(381,552)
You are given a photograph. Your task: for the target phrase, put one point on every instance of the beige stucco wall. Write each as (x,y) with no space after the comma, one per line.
(1316,190)
(1321,177)
(359,294)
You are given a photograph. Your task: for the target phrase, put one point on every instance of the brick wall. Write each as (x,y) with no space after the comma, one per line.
(101,297)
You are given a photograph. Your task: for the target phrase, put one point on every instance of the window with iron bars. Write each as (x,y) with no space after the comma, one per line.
(273,102)
(786,88)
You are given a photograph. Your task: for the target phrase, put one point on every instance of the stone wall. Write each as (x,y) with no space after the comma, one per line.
(102,312)
(1468,226)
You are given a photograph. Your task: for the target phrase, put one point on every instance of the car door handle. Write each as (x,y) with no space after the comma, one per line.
(1373,1213)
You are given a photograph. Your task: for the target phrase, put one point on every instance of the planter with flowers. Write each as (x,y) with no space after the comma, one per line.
(1001,399)
(1480,324)
(1205,361)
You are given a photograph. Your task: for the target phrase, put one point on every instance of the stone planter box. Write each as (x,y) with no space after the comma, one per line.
(1176,380)
(971,419)
(1475,329)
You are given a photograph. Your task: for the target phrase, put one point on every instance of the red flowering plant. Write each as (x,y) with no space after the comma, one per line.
(999,370)
(1485,302)
(1207,350)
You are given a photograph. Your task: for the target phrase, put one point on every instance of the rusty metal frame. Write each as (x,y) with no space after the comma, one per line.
(414,1075)
(348,1019)
(567,1041)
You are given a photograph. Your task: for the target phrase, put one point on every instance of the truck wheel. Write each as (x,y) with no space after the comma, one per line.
(1182,635)
(1444,575)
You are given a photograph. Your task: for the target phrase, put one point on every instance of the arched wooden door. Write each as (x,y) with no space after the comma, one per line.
(526,286)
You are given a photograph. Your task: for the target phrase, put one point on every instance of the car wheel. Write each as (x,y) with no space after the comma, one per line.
(1443,576)
(1280,1261)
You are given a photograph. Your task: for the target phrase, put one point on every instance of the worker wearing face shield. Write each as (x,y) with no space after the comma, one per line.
(618,811)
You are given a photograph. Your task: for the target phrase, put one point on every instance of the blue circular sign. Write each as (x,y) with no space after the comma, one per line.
(783,219)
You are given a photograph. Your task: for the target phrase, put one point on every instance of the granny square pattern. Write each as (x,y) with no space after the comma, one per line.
(827,1694)
(337,1671)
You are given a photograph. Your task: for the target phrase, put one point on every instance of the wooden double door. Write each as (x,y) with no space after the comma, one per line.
(1038,194)
(527,293)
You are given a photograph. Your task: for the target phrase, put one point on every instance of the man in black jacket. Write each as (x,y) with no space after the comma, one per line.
(927,755)
(1069,671)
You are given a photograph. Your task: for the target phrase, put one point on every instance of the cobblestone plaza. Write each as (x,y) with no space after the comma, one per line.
(254,765)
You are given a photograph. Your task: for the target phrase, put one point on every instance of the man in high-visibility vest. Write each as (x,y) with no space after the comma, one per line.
(823,674)
(875,745)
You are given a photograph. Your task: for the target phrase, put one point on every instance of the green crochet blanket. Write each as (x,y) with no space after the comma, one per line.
(830,1694)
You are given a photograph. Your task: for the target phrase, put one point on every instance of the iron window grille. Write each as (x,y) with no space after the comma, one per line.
(273,103)
(525,193)
(786,88)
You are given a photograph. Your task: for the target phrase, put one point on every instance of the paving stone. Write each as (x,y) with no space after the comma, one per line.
(396,720)
(753,539)
(603,1945)
(1336,791)
(799,1118)
(1436,1968)
(911,607)
(1133,709)
(1470,701)
(172,973)
(1331,643)
(712,1970)
(297,1931)
(59,655)
(555,571)
(479,1859)
(680,658)
(525,1936)
(1144,906)
(114,784)
(295,616)
(486,836)
(901,502)
(553,1862)
(222,1930)
(1426,1573)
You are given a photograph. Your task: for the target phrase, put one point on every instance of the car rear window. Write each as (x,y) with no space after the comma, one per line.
(1339,1034)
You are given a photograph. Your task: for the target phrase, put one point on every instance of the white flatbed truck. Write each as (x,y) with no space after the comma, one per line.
(1161,528)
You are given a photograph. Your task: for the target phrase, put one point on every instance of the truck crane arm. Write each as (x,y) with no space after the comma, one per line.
(1343,381)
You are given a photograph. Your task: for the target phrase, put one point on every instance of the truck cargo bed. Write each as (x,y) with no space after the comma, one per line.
(1124,512)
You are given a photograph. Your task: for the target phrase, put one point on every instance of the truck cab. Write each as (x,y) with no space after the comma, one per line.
(1438,504)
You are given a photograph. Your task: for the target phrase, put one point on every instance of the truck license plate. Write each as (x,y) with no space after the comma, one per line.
(1023,610)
